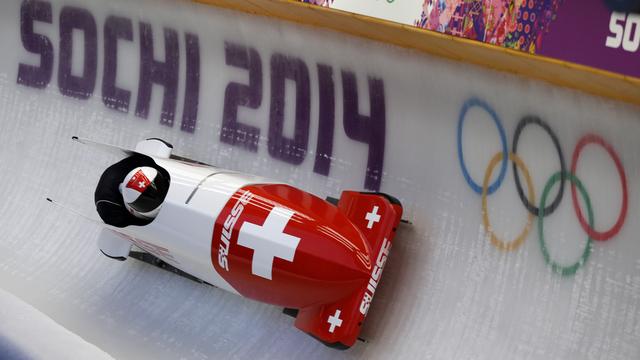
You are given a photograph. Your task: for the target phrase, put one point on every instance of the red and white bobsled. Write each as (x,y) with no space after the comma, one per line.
(268,241)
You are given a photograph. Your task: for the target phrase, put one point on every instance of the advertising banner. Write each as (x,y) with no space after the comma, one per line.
(586,32)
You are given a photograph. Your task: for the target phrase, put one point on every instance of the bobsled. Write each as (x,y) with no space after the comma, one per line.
(321,260)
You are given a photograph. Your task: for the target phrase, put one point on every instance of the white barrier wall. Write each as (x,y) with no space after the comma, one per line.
(404,12)
(26,333)
(325,112)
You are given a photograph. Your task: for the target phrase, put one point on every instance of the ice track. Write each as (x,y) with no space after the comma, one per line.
(446,293)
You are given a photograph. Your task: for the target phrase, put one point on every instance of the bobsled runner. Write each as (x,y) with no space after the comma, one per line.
(265,240)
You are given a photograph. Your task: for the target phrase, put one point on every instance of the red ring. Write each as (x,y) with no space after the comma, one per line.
(599,235)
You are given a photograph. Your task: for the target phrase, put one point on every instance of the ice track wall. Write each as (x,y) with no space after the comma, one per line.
(324,112)
(26,333)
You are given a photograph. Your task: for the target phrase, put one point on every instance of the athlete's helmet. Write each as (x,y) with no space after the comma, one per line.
(143,191)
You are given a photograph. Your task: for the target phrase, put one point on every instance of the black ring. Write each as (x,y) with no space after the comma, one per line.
(516,136)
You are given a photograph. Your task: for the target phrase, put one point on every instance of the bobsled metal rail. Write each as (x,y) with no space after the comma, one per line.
(562,73)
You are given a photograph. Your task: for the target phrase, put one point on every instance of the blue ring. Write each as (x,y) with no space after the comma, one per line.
(503,138)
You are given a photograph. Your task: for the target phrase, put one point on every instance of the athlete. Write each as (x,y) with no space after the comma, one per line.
(131,191)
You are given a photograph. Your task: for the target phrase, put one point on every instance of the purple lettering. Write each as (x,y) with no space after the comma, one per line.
(192,87)
(367,129)
(236,94)
(80,87)
(289,150)
(29,75)
(324,145)
(157,72)
(115,28)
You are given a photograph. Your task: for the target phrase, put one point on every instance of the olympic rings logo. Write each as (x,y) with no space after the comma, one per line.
(545,208)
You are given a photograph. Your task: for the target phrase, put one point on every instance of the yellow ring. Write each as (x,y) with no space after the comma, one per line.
(497,242)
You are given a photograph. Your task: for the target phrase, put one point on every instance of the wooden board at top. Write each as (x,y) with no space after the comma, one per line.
(557,72)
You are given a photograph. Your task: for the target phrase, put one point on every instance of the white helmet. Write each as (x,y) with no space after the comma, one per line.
(143,191)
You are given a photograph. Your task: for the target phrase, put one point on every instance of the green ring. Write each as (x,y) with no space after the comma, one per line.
(557,268)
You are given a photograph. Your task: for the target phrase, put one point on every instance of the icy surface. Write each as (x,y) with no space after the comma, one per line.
(26,333)
(447,292)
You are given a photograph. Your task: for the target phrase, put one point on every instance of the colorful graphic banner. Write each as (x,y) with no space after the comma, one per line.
(586,32)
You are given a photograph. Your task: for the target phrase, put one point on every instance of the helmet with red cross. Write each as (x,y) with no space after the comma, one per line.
(143,191)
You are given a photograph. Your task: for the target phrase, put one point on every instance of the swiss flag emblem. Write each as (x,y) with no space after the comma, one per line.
(277,244)
(139,181)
